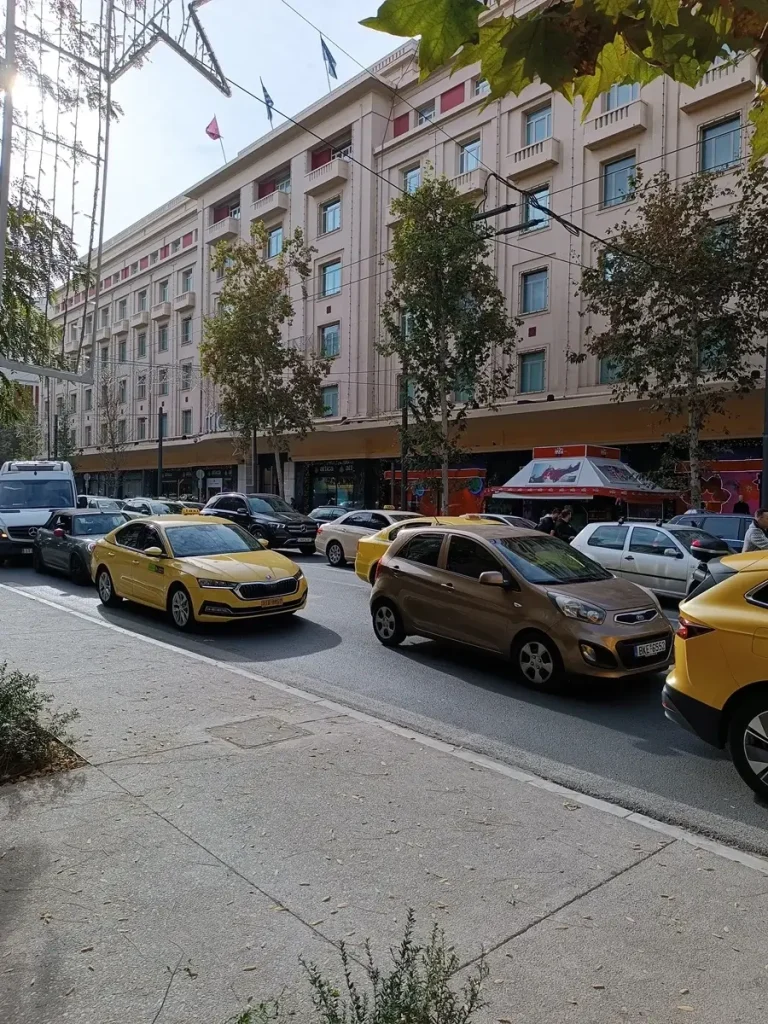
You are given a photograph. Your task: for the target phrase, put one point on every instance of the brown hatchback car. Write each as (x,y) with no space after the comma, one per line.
(520,594)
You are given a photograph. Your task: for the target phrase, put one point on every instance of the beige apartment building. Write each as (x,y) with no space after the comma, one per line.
(334,175)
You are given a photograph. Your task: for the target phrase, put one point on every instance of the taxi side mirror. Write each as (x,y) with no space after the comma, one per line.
(262,542)
(154,552)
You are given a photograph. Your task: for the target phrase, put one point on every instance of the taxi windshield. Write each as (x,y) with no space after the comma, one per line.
(214,539)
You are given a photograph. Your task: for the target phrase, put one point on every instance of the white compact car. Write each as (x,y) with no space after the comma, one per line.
(660,558)
(337,540)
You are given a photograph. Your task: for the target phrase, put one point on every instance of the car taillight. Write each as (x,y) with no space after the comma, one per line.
(687,630)
(378,570)
(320,528)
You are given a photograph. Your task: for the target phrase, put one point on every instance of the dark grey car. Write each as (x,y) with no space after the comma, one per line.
(64,544)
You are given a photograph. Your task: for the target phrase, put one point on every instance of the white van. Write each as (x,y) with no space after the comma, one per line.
(29,492)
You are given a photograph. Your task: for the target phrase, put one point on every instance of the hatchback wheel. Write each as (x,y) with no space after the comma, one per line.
(180,609)
(748,740)
(106,589)
(307,549)
(387,624)
(537,661)
(335,554)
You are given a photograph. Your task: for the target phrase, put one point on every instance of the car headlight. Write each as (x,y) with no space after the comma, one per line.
(216,584)
(299,575)
(3,534)
(573,608)
(90,544)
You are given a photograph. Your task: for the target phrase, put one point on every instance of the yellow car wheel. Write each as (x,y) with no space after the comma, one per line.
(106,589)
(180,610)
(746,740)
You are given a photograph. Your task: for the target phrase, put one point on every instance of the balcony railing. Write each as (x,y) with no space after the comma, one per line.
(187,300)
(120,326)
(724,80)
(536,157)
(229,227)
(616,124)
(275,202)
(335,172)
(161,311)
(470,182)
(140,319)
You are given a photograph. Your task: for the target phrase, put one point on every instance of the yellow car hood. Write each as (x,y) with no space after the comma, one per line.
(243,567)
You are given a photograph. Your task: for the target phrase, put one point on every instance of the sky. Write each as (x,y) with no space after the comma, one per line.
(159,146)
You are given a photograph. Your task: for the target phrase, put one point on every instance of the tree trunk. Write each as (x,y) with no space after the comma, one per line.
(279,472)
(444,495)
(693,459)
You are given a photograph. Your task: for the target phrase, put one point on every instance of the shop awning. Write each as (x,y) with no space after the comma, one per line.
(579,472)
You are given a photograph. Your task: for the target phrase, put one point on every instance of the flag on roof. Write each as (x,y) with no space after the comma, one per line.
(268,102)
(212,131)
(330,63)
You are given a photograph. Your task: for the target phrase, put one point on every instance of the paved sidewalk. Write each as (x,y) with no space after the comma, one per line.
(226,826)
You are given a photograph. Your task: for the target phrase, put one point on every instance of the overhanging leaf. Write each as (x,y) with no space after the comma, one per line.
(443,25)
(664,12)
(758,117)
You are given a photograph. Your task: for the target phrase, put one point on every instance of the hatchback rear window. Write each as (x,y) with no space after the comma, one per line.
(424,549)
(548,560)
(686,536)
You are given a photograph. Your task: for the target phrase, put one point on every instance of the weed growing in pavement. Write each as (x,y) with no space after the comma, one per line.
(28,728)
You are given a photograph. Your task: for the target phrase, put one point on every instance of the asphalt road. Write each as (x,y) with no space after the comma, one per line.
(610,740)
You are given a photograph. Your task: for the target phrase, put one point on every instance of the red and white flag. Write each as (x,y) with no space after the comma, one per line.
(212,131)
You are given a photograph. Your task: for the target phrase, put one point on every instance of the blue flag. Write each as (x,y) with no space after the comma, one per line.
(268,102)
(330,63)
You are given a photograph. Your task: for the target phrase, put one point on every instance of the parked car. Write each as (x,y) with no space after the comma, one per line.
(65,542)
(338,540)
(95,501)
(267,516)
(717,687)
(502,517)
(327,513)
(661,558)
(729,526)
(146,507)
(196,569)
(371,548)
(179,506)
(519,594)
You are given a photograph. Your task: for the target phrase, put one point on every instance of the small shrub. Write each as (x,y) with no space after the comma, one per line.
(27,725)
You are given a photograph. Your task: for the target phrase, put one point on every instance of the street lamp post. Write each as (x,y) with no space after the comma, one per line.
(160,451)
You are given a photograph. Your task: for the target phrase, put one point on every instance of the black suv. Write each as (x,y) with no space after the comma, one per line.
(267,516)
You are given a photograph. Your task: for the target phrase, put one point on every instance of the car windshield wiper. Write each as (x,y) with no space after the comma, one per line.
(579,579)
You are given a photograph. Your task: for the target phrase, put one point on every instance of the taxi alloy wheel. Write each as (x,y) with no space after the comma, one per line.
(387,624)
(335,554)
(106,589)
(180,609)
(538,662)
(748,740)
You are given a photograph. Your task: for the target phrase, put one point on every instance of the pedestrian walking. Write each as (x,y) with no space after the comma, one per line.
(548,522)
(563,529)
(756,537)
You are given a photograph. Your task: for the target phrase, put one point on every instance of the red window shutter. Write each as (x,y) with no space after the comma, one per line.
(452,98)
(164,252)
(143,262)
(401,124)
(266,188)
(187,240)
(125,272)
(220,212)
(320,157)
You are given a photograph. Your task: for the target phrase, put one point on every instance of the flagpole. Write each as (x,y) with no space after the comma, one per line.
(221,143)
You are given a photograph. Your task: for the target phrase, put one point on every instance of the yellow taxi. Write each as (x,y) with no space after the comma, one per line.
(197,569)
(718,686)
(370,549)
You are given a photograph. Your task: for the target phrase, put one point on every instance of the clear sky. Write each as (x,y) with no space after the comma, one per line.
(159,147)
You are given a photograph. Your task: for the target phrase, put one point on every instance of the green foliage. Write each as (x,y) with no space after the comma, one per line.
(21,437)
(26,723)
(677,302)
(445,320)
(584,47)
(266,383)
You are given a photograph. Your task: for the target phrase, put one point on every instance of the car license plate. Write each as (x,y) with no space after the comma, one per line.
(26,551)
(271,602)
(648,650)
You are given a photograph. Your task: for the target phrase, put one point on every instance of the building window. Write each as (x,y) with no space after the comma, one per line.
(141,300)
(618,181)
(530,372)
(331,278)
(721,145)
(274,242)
(330,216)
(104,355)
(141,387)
(122,309)
(122,390)
(122,351)
(88,400)
(621,95)
(88,433)
(329,341)
(87,361)
(330,398)
(186,376)
(342,150)
(538,125)
(186,421)
(481,87)
(141,345)
(89,323)
(162,338)
(186,330)
(469,156)
(73,402)
(154,257)
(135,267)
(186,281)
(402,397)
(284,185)
(162,291)
(533,203)
(121,434)
(162,381)
(60,405)
(104,314)
(175,246)
(608,372)
(426,113)
(141,428)
(73,331)
(163,424)
(412,179)
(534,291)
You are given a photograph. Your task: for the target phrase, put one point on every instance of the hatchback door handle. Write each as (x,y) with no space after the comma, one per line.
(135,561)
(448,586)
(629,558)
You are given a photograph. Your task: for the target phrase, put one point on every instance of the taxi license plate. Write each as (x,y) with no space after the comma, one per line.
(648,650)
(272,602)
(26,551)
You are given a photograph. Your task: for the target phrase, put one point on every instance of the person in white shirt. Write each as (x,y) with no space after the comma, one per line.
(756,538)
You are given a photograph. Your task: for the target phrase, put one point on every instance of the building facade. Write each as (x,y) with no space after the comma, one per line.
(334,174)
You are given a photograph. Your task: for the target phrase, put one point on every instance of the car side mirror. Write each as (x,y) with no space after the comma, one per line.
(492,579)
(672,553)
(263,542)
(154,552)
(58,532)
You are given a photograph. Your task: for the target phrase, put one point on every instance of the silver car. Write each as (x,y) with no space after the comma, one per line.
(64,544)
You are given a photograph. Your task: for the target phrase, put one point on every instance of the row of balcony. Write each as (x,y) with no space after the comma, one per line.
(160,311)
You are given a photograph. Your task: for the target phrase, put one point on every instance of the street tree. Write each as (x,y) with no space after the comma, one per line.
(445,318)
(582,49)
(677,301)
(112,439)
(268,385)
(20,435)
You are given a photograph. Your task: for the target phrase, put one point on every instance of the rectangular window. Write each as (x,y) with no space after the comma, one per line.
(331,278)
(274,242)
(608,372)
(141,428)
(104,355)
(122,351)
(186,421)
(530,372)
(141,345)
(535,203)
(104,314)
(186,330)
(342,150)
(618,181)
(330,216)
(534,291)
(73,402)
(87,436)
(620,95)
(402,398)
(60,405)
(412,179)
(121,433)
(87,361)
(141,387)
(175,245)
(162,339)
(163,424)
(426,113)
(141,300)
(162,381)
(481,87)
(284,185)
(73,331)
(162,291)
(186,376)
(88,400)
(721,145)
(153,257)
(186,281)
(329,341)
(122,309)
(469,156)
(122,390)
(538,125)
(330,397)
(89,324)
